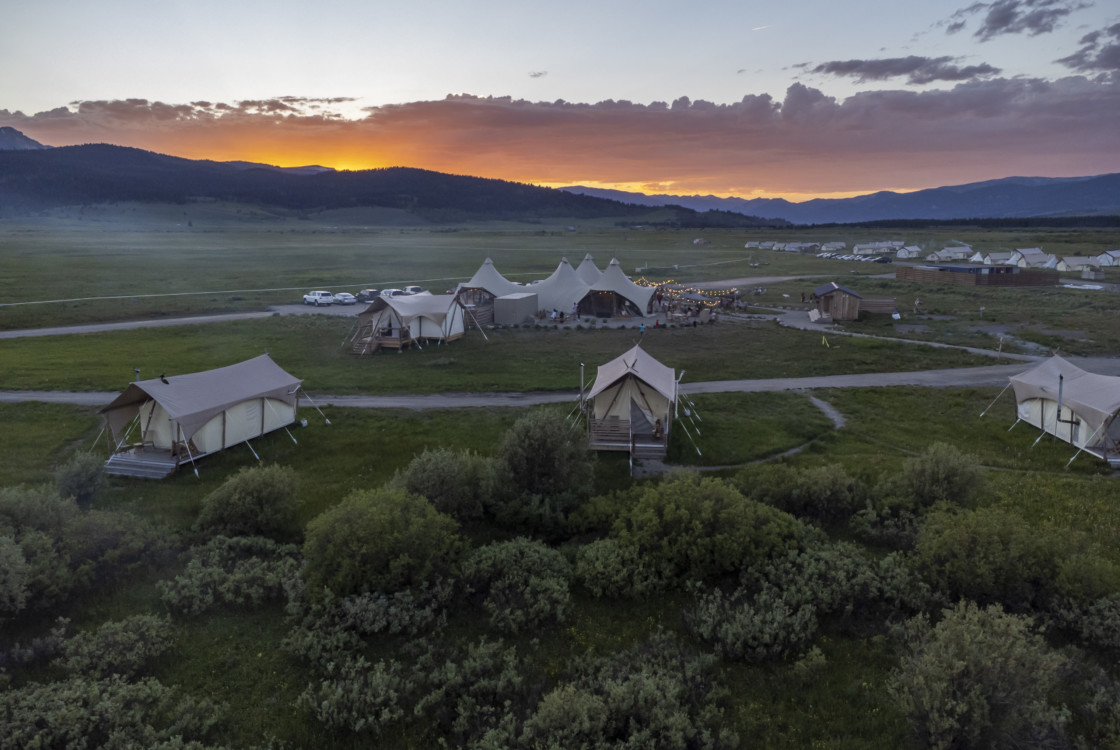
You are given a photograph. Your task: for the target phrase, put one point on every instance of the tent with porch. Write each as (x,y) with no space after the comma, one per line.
(399,322)
(630,405)
(183,417)
(1079,407)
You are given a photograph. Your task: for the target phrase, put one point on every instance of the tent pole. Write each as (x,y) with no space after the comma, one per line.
(250,446)
(1012,427)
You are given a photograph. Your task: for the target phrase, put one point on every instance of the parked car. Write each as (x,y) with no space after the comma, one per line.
(883,259)
(412,290)
(345,298)
(318,298)
(367,295)
(393,293)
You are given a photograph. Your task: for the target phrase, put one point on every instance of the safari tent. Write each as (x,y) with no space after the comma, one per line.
(630,405)
(1076,406)
(412,320)
(170,419)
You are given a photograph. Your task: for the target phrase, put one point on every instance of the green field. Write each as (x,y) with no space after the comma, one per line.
(234,654)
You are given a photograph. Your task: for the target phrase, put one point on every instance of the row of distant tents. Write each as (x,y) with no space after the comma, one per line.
(490,298)
(158,424)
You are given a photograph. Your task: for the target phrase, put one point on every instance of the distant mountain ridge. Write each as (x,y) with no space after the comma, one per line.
(1007,198)
(33,181)
(13,140)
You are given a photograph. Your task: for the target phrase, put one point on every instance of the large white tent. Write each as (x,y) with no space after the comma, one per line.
(616,294)
(630,404)
(1076,406)
(397,322)
(199,413)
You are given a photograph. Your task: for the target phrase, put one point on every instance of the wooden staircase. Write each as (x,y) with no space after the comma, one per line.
(141,464)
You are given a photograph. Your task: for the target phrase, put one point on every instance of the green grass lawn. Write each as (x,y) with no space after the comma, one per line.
(234,656)
(525,359)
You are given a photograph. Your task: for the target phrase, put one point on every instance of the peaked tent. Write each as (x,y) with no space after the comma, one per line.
(615,294)
(477,295)
(204,412)
(1079,407)
(560,291)
(489,280)
(630,395)
(396,322)
(588,271)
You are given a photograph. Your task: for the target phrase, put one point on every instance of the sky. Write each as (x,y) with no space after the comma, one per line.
(752,98)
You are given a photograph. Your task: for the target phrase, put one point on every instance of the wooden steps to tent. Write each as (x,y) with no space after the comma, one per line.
(141,464)
(614,435)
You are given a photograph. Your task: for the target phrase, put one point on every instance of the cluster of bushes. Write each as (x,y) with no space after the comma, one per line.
(52,550)
(538,477)
(231,572)
(778,606)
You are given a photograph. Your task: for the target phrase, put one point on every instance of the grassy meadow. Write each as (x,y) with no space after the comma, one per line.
(109,264)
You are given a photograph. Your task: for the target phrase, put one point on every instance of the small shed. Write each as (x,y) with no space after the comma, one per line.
(515,309)
(630,405)
(836,302)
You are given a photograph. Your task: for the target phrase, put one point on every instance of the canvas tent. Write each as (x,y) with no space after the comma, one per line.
(398,322)
(1079,407)
(630,405)
(188,416)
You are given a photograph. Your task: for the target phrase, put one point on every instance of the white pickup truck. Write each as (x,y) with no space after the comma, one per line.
(318,298)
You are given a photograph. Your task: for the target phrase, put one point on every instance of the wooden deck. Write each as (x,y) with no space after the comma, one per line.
(614,435)
(142,463)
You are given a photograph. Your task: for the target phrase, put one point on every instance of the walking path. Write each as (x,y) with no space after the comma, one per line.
(992,375)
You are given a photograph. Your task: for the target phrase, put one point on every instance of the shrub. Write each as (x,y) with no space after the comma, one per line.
(470,694)
(979,678)
(384,540)
(548,471)
(231,572)
(1097,623)
(755,628)
(941,473)
(81,478)
(987,555)
(325,630)
(256,501)
(823,493)
(460,484)
(521,583)
(79,712)
(691,528)
(653,694)
(607,568)
(358,696)
(24,509)
(13,577)
(889,521)
(116,648)
(103,546)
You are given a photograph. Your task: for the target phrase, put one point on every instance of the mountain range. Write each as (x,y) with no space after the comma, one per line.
(36,178)
(1008,198)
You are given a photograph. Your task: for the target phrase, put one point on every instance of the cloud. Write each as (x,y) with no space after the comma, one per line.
(1032,17)
(804,143)
(918,70)
(1100,51)
(538,73)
